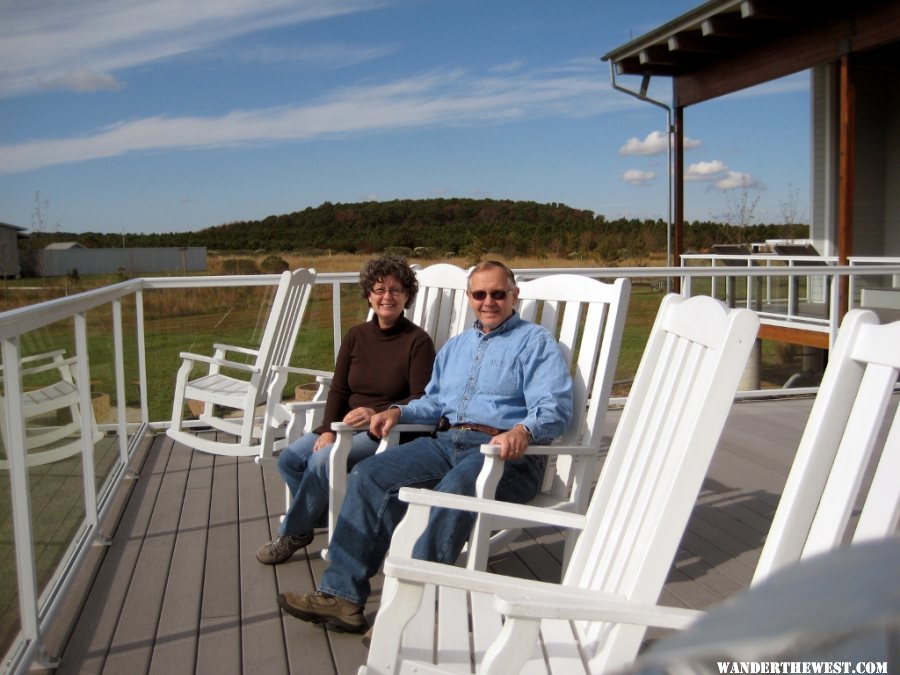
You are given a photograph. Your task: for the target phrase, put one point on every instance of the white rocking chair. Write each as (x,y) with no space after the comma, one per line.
(49,440)
(681,396)
(849,442)
(242,395)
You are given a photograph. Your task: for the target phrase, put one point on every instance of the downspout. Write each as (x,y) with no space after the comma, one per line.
(642,95)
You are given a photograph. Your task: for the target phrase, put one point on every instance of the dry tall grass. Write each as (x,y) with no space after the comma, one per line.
(350,262)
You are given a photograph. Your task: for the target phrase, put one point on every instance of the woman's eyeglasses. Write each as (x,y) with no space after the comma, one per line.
(388,291)
(495,295)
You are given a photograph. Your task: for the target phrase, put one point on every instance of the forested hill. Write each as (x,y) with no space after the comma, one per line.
(448,225)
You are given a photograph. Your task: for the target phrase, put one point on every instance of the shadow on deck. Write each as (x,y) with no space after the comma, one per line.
(179,589)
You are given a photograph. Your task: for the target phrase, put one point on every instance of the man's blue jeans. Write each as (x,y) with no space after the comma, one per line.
(450,462)
(306,475)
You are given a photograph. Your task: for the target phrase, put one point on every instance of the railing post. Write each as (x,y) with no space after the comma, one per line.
(83,384)
(336,316)
(713,284)
(142,354)
(834,313)
(793,291)
(119,362)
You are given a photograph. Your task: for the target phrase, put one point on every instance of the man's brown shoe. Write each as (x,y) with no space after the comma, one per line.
(320,607)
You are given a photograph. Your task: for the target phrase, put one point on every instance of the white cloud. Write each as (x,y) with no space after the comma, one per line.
(509,67)
(737,179)
(43,40)
(326,55)
(705,170)
(654,144)
(83,82)
(438,98)
(638,177)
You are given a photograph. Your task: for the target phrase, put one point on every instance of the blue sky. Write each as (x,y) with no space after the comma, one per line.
(175,115)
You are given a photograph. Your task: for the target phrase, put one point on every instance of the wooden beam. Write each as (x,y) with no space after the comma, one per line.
(678,196)
(846,174)
(794,336)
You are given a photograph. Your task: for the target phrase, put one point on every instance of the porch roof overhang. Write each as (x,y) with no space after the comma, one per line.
(724,46)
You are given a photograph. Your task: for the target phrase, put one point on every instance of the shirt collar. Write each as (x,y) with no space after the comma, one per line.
(509,324)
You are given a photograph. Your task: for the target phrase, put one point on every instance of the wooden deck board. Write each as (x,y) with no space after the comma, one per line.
(219,646)
(88,646)
(180,589)
(175,647)
(132,644)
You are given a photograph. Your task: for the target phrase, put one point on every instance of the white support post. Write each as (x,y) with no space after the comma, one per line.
(793,292)
(142,354)
(336,316)
(714,280)
(83,384)
(119,356)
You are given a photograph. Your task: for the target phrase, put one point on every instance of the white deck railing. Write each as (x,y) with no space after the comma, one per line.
(77,317)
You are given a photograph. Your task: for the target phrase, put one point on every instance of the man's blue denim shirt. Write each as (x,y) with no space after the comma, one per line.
(515,374)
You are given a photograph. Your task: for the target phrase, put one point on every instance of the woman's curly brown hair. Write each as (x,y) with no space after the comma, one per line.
(377,269)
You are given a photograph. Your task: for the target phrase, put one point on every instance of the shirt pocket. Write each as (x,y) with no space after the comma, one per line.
(502,377)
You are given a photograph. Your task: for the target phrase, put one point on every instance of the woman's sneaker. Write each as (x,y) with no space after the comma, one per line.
(282,547)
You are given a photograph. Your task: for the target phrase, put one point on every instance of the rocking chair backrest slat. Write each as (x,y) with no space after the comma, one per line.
(440,307)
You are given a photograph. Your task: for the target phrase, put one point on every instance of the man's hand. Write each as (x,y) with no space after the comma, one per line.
(381,423)
(513,442)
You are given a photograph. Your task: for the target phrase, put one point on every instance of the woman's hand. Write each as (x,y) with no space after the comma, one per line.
(359,417)
(325,439)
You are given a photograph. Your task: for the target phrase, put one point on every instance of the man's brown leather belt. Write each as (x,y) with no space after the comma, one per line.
(444,425)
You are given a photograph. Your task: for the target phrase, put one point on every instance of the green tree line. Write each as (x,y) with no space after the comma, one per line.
(444,226)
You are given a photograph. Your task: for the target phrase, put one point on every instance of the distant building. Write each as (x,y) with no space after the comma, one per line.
(62,246)
(9,249)
(64,258)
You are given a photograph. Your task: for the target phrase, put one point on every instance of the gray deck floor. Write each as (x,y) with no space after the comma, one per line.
(179,589)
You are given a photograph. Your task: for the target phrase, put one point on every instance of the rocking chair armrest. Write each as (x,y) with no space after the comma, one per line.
(301,406)
(406,569)
(224,363)
(52,365)
(552,450)
(392,439)
(42,356)
(413,428)
(234,348)
(491,507)
(320,375)
(582,604)
(339,427)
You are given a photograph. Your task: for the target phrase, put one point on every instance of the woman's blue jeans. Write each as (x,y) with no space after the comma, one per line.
(450,462)
(306,475)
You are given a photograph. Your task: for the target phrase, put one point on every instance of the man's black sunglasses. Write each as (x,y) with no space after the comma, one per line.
(495,295)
